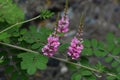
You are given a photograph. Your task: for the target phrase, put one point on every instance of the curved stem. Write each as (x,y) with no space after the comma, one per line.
(66,8)
(19,23)
(89,68)
(60,59)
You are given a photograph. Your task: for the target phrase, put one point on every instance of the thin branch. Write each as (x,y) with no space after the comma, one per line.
(66,7)
(114,57)
(63,60)
(20,48)
(19,24)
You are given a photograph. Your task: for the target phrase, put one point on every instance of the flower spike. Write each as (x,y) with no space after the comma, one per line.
(76,45)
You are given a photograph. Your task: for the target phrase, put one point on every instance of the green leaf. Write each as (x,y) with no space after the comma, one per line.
(63,47)
(31,69)
(76,76)
(20,39)
(4,36)
(101,46)
(7,12)
(94,43)
(36,35)
(119,25)
(111,42)
(29,38)
(46,14)
(108,59)
(115,64)
(87,52)
(100,66)
(99,53)
(86,73)
(31,62)
(14,76)
(41,62)
(111,78)
(16,34)
(46,31)
(118,39)
(118,69)
(110,47)
(23,31)
(33,29)
(6,40)
(1,61)
(118,76)
(25,64)
(71,67)
(87,43)
(36,46)
(116,51)
(110,38)
(91,77)
(84,61)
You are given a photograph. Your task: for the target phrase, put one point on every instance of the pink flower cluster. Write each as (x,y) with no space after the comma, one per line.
(75,48)
(52,46)
(63,24)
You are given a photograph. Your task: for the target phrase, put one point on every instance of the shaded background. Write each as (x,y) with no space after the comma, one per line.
(101,17)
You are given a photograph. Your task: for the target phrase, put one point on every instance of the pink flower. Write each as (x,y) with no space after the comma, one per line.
(63,24)
(52,46)
(75,48)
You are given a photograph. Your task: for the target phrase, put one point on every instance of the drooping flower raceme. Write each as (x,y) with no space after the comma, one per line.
(52,46)
(75,48)
(63,24)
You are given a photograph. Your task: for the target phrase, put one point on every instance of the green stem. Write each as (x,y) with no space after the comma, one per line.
(114,57)
(66,8)
(63,60)
(19,23)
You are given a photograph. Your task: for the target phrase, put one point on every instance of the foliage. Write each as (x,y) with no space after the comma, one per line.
(32,61)
(7,12)
(46,14)
(18,62)
(83,74)
(108,51)
(17,69)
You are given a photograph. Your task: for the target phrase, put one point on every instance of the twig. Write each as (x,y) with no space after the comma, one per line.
(114,57)
(60,59)
(66,8)
(19,23)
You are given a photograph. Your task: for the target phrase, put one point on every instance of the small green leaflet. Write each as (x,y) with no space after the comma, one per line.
(31,62)
(4,36)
